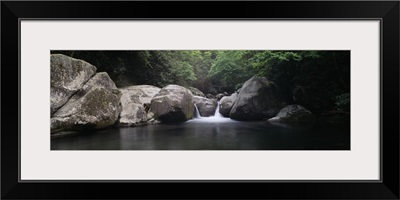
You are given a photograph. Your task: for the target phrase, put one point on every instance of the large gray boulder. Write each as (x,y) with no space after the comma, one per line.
(226,104)
(206,106)
(257,99)
(294,114)
(133,114)
(67,76)
(99,80)
(135,102)
(140,94)
(173,103)
(93,106)
(99,108)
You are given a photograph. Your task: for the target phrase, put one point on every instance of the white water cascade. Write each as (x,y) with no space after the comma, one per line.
(217,114)
(217,118)
(197,112)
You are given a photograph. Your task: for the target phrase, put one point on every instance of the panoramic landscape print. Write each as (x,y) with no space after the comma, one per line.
(200,100)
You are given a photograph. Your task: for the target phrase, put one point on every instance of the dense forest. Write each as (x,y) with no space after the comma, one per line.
(319,80)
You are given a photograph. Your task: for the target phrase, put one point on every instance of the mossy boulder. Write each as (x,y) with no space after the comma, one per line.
(67,76)
(99,80)
(173,103)
(94,106)
(97,109)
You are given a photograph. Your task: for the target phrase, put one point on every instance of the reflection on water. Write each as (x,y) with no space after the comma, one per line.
(211,133)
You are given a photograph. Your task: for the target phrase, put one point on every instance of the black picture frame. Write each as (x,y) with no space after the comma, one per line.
(386,11)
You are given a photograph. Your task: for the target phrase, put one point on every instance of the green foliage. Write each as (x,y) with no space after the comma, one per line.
(265,60)
(322,75)
(231,68)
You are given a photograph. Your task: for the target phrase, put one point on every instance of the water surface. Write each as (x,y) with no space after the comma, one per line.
(210,133)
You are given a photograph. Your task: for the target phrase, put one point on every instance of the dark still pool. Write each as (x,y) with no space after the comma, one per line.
(210,134)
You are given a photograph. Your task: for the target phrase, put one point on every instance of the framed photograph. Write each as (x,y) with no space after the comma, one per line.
(300,98)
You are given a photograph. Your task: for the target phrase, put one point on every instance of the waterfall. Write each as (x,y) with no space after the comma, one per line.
(217,114)
(217,118)
(197,112)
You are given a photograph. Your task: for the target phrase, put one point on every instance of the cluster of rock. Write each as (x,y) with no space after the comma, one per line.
(206,106)
(80,98)
(260,99)
(135,102)
(83,99)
